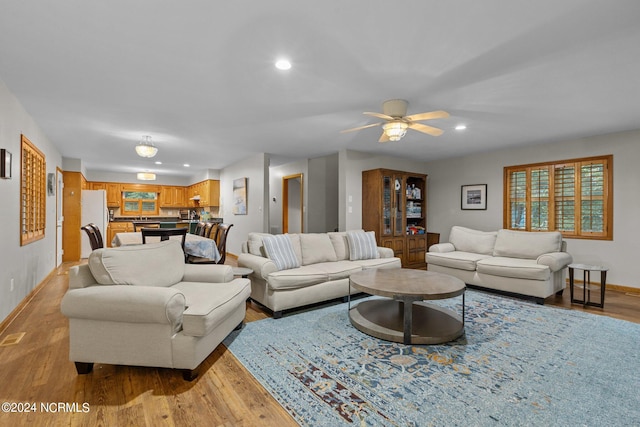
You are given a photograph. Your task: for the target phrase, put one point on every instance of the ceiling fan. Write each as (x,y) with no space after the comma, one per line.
(397,122)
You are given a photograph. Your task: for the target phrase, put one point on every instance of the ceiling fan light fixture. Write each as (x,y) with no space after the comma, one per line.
(145,148)
(146,176)
(395,130)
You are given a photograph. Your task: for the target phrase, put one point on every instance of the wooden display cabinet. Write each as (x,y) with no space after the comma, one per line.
(394,206)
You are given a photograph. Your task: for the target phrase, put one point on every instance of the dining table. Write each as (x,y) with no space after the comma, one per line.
(194,245)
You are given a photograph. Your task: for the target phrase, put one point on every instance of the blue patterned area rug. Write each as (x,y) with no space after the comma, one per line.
(518,363)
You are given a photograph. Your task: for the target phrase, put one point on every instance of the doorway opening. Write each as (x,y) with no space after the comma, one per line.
(292,204)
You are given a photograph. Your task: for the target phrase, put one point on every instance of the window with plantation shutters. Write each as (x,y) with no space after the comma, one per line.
(33,176)
(574,197)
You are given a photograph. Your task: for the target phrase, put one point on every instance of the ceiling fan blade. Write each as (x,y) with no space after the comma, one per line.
(428,116)
(360,127)
(384,137)
(426,129)
(379,115)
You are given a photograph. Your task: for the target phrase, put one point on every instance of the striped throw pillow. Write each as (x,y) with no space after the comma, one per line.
(362,245)
(280,250)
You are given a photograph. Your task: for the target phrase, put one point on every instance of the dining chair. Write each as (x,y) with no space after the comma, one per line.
(95,237)
(164,233)
(199,230)
(221,241)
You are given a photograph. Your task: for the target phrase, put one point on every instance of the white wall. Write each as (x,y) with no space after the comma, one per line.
(27,265)
(322,207)
(256,170)
(619,255)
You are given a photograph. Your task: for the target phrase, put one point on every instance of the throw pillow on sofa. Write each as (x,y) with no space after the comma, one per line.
(279,249)
(316,248)
(362,245)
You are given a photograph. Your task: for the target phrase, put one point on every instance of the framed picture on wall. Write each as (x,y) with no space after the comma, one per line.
(240,196)
(5,164)
(474,197)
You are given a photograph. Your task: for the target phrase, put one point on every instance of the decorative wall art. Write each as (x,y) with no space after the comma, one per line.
(5,164)
(474,197)
(240,196)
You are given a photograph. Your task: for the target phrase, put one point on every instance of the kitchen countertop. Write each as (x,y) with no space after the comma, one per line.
(160,219)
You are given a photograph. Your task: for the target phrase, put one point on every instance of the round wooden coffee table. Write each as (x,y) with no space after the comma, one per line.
(404,316)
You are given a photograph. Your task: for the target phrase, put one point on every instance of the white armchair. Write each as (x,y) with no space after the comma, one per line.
(143,306)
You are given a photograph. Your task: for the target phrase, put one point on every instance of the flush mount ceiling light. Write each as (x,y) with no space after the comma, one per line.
(461,127)
(283,64)
(395,130)
(145,147)
(146,176)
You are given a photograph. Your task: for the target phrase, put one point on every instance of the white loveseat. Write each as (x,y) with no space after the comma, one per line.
(532,264)
(325,264)
(143,306)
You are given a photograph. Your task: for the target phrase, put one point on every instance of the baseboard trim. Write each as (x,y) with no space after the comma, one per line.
(233,256)
(21,306)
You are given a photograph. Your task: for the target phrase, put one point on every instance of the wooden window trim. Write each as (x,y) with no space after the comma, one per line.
(33,181)
(607,160)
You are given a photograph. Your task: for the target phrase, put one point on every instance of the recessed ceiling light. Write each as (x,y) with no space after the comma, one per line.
(186,165)
(283,64)
(158,163)
(461,127)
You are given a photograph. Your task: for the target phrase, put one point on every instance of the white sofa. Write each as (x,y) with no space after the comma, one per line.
(326,263)
(143,306)
(531,264)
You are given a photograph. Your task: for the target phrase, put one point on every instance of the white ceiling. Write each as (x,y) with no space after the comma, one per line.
(199,76)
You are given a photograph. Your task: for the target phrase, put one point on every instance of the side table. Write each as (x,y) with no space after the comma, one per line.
(586,283)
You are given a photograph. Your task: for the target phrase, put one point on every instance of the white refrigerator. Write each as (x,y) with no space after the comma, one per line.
(94,209)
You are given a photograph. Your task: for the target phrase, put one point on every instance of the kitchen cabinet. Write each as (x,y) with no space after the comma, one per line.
(114,195)
(116,227)
(172,197)
(394,205)
(209,192)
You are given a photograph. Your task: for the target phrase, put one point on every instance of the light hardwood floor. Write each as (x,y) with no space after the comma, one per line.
(37,371)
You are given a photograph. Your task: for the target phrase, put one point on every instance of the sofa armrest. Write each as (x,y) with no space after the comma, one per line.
(261,266)
(127,304)
(385,252)
(442,247)
(80,277)
(210,273)
(555,260)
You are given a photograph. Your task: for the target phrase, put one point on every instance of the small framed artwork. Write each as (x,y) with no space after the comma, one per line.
(5,164)
(240,196)
(474,197)
(51,184)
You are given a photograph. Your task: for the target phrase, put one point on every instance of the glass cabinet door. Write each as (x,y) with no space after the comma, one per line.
(387,207)
(398,202)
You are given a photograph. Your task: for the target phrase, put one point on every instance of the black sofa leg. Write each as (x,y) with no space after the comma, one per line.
(83,368)
(189,374)
(539,301)
(277,314)
(559,293)
(240,326)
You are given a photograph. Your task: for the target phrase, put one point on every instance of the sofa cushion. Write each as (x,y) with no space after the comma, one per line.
(316,247)
(518,268)
(362,245)
(153,264)
(457,259)
(369,264)
(209,304)
(340,244)
(297,247)
(255,244)
(294,278)
(526,244)
(338,269)
(468,240)
(280,250)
